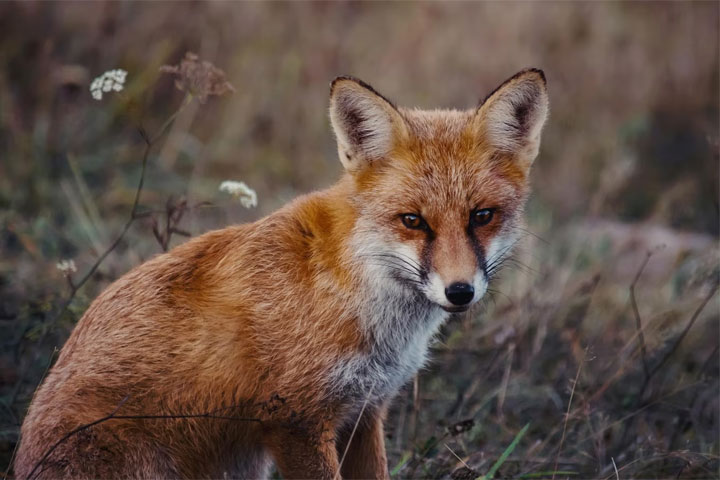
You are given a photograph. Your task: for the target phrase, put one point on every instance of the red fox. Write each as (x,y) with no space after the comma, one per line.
(285,339)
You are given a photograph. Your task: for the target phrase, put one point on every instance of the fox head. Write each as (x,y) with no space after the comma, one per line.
(439,194)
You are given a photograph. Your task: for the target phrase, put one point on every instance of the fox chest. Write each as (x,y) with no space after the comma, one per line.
(398,348)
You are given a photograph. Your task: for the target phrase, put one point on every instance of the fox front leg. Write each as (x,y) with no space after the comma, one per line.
(303,454)
(365,457)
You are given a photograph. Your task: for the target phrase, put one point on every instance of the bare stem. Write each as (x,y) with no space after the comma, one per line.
(149,143)
(134,215)
(679,340)
(113,416)
(567,414)
(638,320)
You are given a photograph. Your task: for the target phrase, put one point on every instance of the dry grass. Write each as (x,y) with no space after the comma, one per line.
(629,163)
(560,350)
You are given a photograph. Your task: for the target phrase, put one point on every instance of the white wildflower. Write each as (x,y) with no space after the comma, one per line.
(240,191)
(67,267)
(112,80)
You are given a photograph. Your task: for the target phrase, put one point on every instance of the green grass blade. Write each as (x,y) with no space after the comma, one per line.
(491,473)
(401,463)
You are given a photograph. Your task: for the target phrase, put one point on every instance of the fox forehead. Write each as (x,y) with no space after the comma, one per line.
(442,166)
(437,125)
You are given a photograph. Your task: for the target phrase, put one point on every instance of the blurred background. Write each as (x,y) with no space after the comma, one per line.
(625,195)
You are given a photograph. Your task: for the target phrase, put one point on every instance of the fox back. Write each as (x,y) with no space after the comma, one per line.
(286,339)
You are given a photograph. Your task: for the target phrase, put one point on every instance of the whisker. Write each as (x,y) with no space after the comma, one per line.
(528,232)
(398,256)
(401,259)
(401,268)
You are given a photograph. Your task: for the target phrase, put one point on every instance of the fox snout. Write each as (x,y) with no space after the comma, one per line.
(460,293)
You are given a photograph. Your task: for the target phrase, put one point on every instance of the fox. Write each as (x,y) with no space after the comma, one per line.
(284,341)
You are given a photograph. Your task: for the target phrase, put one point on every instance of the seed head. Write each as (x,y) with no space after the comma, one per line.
(67,267)
(110,81)
(200,79)
(240,191)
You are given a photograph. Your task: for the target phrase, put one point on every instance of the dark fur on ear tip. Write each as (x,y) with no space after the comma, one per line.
(519,74)
(366,86)
(534,70)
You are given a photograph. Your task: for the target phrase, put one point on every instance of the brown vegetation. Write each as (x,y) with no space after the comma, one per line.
(629,163)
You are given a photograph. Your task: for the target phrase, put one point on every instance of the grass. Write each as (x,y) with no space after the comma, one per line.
(590,358)
(560,349)
(505,454)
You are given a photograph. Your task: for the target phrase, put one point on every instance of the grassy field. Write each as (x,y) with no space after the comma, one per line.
(595,355)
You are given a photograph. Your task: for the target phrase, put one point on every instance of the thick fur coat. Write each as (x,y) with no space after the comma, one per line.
(265,342)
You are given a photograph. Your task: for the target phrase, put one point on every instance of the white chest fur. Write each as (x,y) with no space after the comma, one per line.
(398,329)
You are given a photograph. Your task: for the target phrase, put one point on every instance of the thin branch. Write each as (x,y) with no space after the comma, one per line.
(679,340)
(505,379)
(670,352)
(17,444)
(113,416)
(149,143)
(617,474)
(567,415)
(70,434)
(456,456)
(709,360)
(633,414)
(134,214)
(186,101)
(638,320)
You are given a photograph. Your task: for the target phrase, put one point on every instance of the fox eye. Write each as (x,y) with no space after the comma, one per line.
(414,222)
(481,217)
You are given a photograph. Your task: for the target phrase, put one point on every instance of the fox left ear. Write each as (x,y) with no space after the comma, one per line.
(366,124)
(511,118)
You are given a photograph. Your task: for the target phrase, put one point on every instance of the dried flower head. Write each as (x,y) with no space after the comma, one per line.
(110,81)
(240,191)
(67,267)
(200,79)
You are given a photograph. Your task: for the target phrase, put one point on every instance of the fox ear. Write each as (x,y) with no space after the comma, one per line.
(511,118)
(366,124)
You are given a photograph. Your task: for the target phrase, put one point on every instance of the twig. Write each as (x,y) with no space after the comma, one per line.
(174,211)
(505,379)
(635,413)
(134,214)
(456,456)
(429,446)
(709,360)
(17,444)
(679,340)
(412,427)
(149,143)
(70,434)
(617,474)
(567,414)
(113,416)
(638,320)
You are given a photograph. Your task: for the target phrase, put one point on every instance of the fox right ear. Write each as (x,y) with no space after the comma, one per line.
(366,124)
(512,117)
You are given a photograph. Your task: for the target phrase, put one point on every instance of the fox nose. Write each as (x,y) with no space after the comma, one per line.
(460,293)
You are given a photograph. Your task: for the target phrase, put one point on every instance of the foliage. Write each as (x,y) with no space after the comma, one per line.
(629,163)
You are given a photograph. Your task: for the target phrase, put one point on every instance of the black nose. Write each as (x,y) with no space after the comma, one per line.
(460,293)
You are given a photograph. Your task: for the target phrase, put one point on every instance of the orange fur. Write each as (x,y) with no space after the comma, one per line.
(275,321)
